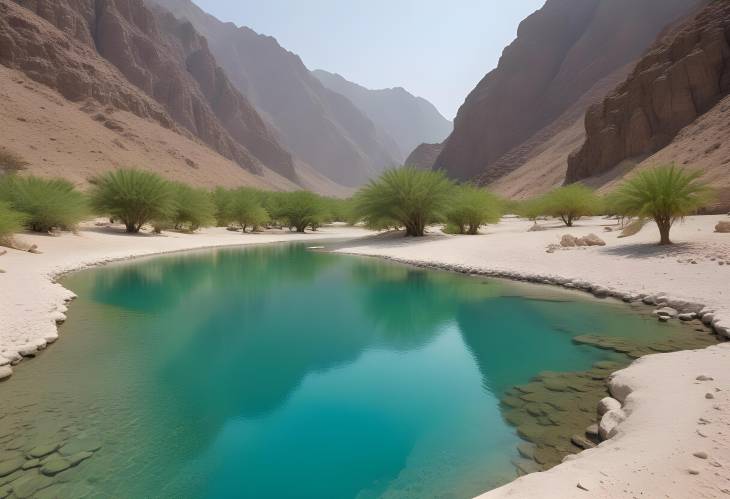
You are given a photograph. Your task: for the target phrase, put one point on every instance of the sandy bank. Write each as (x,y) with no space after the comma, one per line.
(670,416)
(31,303)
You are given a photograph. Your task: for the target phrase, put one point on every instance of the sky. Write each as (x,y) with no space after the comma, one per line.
(434,49)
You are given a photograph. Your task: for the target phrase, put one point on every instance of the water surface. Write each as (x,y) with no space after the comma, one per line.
(276,372)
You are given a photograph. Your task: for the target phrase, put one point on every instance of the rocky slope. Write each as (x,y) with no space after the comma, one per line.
(319,127)
(560,53)
(408,119)
(684,75)
(121,55)
(424,156)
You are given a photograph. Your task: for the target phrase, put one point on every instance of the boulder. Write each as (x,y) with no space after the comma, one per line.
(593,240)
(5,372)
(723,227)
(608,427)
(568,241)
(582,442)
(608,404)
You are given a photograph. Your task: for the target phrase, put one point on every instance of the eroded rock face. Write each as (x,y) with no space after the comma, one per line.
(424,156)
(561,51)
(683,76)
(120,53)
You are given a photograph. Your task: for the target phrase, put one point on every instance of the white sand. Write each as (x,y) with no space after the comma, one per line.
(653,453)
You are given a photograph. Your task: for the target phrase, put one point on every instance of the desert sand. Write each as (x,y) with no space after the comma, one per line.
(675,441)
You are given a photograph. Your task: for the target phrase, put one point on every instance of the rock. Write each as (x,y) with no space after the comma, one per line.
(568,241)
(593,240)
(666,311)
(607,404)
(80,445)
(592,430)
(79,457)
(723,227)
(693,471)
(687,317)
(43,450)
(32,463)
(55,465)
(11,465)
(582,442)
(663,318)
(608,427)
(709,396)
(27,485)
(5,372)
(537,228)
(703,377)
(700,455)
(526,450)
(526,466)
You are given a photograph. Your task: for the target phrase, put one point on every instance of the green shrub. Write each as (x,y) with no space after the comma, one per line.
(570,203)
(470,208)
(299,210)
(245,209)
(221,199)
(193,208)
(11,162)
(532,208)
(46,204)
(406,197)
(134,197)
(10,222)
(664,194)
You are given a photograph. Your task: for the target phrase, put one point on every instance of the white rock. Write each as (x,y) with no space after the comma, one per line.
(608,404)
(666,311)
(5,372)
(687,316)
(608,427)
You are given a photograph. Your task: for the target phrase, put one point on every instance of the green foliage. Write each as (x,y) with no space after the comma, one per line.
(570,203)
(406,197)
(193,208)
(299,210)
(133,196)
(246,210)
(222,199)
(470,208)
(664,194)
(531,208)
(11,162)
(46,204)
(10,222)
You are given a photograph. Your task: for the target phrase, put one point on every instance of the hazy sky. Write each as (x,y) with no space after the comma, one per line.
(435,49)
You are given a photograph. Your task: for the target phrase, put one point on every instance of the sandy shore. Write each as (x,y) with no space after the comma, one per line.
(671,418)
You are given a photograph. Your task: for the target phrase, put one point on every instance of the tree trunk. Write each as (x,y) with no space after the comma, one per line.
(473,230)
(131,227)
(664,227)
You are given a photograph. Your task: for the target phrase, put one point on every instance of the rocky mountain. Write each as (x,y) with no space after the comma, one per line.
(124,57)
(424,156)
(683,76)
(561,53)
(320,127)
(408,119)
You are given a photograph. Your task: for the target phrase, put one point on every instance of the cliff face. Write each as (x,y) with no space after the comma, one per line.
(560,53)
(682,77)
(121,54)
(318,126)
(409,120)
(424,156)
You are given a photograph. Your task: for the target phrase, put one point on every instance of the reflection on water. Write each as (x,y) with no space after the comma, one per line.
(278,372)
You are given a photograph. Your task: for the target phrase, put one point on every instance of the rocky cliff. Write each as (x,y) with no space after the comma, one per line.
(123,55)
(560,53)
(682,77)
(408,119)
(424,156)
(319,126)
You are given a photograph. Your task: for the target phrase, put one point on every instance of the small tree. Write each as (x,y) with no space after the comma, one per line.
(222,199)
(570,203)
(245,209)
(11,162)
(193,208)
(532,208)
(664,194)
(471,208)
(300,209)
(46,204)
(406,197)
(133,196)
(10,222)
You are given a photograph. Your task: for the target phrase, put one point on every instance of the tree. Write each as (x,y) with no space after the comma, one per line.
(245,209)
(222,199)
(471,208)
(531,208)
(300,209)
(570,203)
(406,197)
(133,196)
(664,194)
(10,222)
(46,203)
(193,208)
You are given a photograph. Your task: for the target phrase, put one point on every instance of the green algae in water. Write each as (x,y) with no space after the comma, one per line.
(276,372)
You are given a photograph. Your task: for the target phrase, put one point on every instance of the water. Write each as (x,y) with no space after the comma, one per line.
(276,372)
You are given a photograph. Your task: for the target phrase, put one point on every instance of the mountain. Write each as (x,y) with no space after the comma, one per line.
(121,64)
(561,53)
(409,120)
(320,127)
(424,156)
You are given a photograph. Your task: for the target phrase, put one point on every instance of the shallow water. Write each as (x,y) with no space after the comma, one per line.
(275,372)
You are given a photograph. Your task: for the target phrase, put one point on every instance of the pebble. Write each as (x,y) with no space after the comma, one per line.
(703,377)
(693,471)
(700,454)
(709,396)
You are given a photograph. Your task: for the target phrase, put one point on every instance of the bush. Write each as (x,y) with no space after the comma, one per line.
(406,197)
(46,204)
(134,197)
(245,209)
(10,222)
(11,162)
(664,194)
(471,208)
(531,209)
(299,210)
(570,203)
(193,208)
(221,199)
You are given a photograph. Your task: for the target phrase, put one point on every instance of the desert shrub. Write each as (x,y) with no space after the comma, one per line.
(664,194)
(299,210)
(245,209)
(470,208)
(46,203)
(570,203)
(10,222)
(406,197)
(193,208)
(11,162)
(134,197)
(532,208)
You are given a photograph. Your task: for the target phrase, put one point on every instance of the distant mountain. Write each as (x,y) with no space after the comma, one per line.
(424,156)
(561,53)
(319,126)
(410,120)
